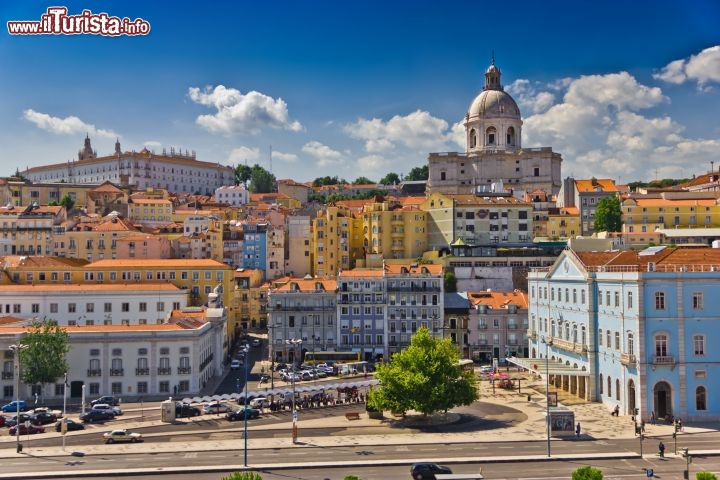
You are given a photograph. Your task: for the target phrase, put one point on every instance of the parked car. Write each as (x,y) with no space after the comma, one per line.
(92,416)
(241,413)
(2,420)
(24,430)
(427,471)
(13,406)
(186,410)
(109,399)
(235,364)
(42,418)
(485,369)
(217,407)
(117,411)
(307,375)
(71,425)
(256,342)
(259,402)
(122,435)
(12,420)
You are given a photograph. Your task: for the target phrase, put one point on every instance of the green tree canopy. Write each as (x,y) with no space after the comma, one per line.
(67,202)
(425,377)
(390,179)
(363,181)
(587,473)
(261,181)
(418,173)
(327,180)
(450,282)
(44,359)
(608,216)
(705,476)
(243,173)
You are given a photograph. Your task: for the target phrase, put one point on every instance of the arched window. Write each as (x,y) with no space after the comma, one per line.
(601,384)
(700,398)
(617,389)
(473,138)
(491,136)
(574,334)
(510,136)
(583,335)
(609,385)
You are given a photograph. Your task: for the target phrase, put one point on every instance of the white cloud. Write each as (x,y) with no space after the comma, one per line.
(152,145)
(242,154)
(324,155)
(418,131)
(71,125)
(284,157)
(703,68)
(241,113)
(528,98)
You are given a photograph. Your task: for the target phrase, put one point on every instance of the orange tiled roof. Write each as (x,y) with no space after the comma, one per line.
(308,285)
(413,268)
(157,263)
(606,185)
(362,272)
(90,287)
(39,261)
(107,187)
(498,300)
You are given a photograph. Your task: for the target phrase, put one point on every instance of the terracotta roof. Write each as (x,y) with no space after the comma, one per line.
(90,287)
(570,211)
(413,269)
(664,256)
(150,200)
(498,300)
(472,200)
(362,272)
(38,261)
(157,263)
(107,187)
(606,185)
(308,285)
(660,202)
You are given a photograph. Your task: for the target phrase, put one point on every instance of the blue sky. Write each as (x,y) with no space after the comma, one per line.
(625,90)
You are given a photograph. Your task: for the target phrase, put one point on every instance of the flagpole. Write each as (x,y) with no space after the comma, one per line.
(63,422)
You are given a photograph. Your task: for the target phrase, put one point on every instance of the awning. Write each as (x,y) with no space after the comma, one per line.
(539,366)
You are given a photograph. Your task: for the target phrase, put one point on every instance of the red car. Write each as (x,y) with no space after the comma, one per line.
(27,430)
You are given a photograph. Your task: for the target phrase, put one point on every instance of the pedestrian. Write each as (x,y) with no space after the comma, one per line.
(652,417)
(642,426)
(661,449)
(577,430)
(616,410)
(679,424)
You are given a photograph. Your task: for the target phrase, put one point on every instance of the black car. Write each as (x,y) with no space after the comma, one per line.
(43,418)
(427,471)
(71,425)
(96,416)
(109,399)
(240,414)
(185,410)
(12,421)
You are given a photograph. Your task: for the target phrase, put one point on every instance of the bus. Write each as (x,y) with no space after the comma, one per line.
(466,364)
(332,357)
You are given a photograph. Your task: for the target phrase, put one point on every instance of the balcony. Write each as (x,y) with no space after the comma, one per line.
(628,359)
(184,370)
(142,371)
(664,360)
(7,375)
(94,373)
(116,372)
(164,371)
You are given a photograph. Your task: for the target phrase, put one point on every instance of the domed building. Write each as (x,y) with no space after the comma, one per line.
(494,159)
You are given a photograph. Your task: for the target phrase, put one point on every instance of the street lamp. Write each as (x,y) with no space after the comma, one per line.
(547,389)
(245,415)
(271,342)
(16,349)
(295,343)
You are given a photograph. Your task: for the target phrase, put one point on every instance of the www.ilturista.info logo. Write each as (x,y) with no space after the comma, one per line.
(57,22)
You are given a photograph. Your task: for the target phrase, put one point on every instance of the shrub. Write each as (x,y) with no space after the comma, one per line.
(587,473)
(705,476)
(243,476)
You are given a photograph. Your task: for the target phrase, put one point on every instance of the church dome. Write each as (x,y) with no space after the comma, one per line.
(493,104)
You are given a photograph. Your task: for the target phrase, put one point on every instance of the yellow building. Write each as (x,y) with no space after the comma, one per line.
(92,238)
(28,230)
(393,230)
(337,241)
(671,210)
(150,211)
(249,300)
(564,224)
(26,193)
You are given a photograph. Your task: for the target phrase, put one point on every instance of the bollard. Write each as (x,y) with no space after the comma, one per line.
(19,448)
(529,397)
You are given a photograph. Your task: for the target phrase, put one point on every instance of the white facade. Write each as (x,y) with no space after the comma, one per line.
(93,304)
(235,195)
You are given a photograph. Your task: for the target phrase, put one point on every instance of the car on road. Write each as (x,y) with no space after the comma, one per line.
(72,425)
(12,420)
(24,430)
(13,406)
(235,364)
(427,470)
(117,411)
(256,342)
(42,418)
(217,407)
(92,416)
(260,402)
(122,435)
(241,413)
(109,399)
(186,410)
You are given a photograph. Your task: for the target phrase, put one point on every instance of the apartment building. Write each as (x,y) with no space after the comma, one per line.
(362,303)
(29,230)
(498,325)
(585,196)
(337,241)
(394,230)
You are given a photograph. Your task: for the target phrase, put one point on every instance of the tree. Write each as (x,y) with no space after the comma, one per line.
(243,173)
(425,377)
(587,473)
(705,476)
(45,358)
(390,179)
(608,216)
(418,173)
(363,181)
(327,180)
(261,181)
(450,282)
(67,202)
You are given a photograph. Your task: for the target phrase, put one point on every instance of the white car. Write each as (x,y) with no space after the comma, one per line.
(117,411)
(235,364)
(217,407)
(122,435)
(260,402)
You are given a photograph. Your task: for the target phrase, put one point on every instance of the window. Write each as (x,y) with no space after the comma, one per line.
(659,301)
(142,387)
(601,384)
(608,336)
(630,344)
(53,308)
(617,340)
(125,307)
(71,308)
(630,300)
(108,307)
(617,389)
(699,344)
(89,307)
(617,299)
(143,307)
(700,398)
(94,389)
(661,342)
(116,388)
(582,297)
(609,387)
(600,337)
(164,386)
(160,306)
(697,300)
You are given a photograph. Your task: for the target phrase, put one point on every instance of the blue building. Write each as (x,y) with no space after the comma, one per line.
(254,247)
(630,329)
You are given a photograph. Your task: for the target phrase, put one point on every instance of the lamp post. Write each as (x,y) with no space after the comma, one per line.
(547,390)
(295,343)
(16,349)
(271,342)
(245,416)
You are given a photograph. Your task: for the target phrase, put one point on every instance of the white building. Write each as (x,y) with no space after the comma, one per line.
(493,152)
(235,195)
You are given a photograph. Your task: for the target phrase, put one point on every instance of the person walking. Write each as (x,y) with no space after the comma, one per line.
(577,430)
(661,450)
(642,426)
(652,417)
